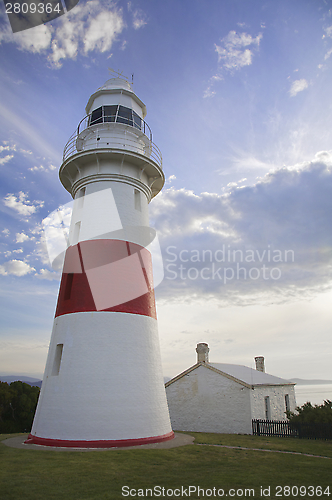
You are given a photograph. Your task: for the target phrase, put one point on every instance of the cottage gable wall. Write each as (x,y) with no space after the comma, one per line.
(205,401)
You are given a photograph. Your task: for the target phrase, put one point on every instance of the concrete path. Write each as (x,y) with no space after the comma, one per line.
(262,449)
(179,440)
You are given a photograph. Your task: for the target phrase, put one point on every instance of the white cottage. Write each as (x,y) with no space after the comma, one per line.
(225,398)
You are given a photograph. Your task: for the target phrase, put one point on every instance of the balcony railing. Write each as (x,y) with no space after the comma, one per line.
(139,140)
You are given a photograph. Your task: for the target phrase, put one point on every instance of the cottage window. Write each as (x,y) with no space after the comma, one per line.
(267,408)
(287,405)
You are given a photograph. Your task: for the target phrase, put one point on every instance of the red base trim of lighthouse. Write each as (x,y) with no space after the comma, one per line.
(64,443)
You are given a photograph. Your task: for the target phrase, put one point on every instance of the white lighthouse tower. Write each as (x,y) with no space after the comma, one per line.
(103,384)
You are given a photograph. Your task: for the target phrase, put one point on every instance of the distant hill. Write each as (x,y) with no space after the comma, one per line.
(21,378)
(301,381)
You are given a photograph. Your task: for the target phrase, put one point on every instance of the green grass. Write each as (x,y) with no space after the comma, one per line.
(98,475)
(314,447)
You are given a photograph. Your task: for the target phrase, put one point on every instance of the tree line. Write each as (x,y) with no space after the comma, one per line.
(18,403)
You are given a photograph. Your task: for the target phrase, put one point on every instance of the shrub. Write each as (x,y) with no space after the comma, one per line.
(309,414)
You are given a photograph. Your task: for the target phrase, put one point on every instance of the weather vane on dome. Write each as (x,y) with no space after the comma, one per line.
(120,74)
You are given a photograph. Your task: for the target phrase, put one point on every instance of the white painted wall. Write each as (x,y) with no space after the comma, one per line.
(204,401)
(114,135)
(277,401)
(107,99)
(106,207)
(110,381)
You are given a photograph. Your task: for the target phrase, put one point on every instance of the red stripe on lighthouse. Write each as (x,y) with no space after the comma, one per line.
(107,275)
(117,443)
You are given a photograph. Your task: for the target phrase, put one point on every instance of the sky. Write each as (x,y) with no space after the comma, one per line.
(238,96)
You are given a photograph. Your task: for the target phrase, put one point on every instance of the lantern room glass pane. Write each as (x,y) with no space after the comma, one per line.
(118,113)
(110,113)
(137,120)
(125,115)
(96,116)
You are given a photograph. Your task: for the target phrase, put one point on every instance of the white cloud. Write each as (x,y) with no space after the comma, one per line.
(5,159)
(25,151)
(243,161)
(139,17)
(6,232)
(21,237)
(91,26)
(8,148)
(283,221)
(16,267)
(102,31)
(328,54)
(328,31)
(45,274)
(41,168)
(37,169)
(170,179)
(54,239)
(34,40)
(86,28)
(209,92)
(298,86)
(233,53)
(21,204)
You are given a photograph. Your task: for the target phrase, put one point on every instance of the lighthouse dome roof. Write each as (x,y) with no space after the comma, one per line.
(116,83)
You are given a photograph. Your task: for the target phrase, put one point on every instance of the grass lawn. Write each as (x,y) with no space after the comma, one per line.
(313,447)
(98,475)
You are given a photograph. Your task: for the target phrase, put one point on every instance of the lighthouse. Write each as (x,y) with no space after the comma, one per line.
(103,383)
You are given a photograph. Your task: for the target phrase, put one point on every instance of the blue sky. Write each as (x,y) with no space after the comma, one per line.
(238,97)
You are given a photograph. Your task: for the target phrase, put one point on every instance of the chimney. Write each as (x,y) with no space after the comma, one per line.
(202,350)
(259,360)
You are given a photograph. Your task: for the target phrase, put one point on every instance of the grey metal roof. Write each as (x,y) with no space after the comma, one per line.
(249,375)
